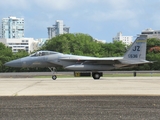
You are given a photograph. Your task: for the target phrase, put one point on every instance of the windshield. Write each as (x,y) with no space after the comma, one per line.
(42,53)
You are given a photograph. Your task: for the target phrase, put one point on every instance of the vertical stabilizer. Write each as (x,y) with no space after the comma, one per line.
(137,52)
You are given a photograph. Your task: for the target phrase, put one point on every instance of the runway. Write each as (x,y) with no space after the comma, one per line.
(80,108)
(110,98)
(145,86)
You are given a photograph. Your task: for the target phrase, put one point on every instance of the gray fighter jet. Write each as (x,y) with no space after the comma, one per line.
(84,65)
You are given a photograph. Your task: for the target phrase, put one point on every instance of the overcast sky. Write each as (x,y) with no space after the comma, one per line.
(101,19)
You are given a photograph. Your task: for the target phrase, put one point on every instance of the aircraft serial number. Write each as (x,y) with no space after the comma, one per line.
(132,56)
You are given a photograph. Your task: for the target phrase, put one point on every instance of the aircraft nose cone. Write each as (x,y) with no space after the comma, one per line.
(14,63)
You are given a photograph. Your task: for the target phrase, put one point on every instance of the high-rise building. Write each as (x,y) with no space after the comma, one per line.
(57,29)
(12,27)
(125,39)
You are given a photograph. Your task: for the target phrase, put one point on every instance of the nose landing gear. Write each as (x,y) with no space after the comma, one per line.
(54,77)
(52,69)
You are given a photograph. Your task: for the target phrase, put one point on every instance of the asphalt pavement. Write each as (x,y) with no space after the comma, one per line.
(80,108)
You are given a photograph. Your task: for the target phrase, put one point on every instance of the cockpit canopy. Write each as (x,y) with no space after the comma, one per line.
(42,53)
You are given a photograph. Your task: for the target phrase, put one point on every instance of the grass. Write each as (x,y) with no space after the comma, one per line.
(59,76)
(108,75)
(131,75)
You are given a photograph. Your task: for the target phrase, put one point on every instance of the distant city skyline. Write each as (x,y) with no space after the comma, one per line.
(100,19)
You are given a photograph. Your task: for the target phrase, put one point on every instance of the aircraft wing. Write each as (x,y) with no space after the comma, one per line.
(108,60)
(94,60)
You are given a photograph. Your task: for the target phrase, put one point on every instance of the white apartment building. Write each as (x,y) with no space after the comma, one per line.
(57,29)
(151,33)
(125,39)
(12,27)
(16,44)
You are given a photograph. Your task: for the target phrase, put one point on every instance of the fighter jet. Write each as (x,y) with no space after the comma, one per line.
(84,65)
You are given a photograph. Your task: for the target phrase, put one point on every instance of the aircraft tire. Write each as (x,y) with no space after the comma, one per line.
(54,77)
(96,75)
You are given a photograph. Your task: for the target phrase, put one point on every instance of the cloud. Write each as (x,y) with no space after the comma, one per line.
(14,4)
(45,4)
(119,4)
(55,4)
(93,14)
(106,10)
(113,15)
(134,23)
(155,21)
(119,11)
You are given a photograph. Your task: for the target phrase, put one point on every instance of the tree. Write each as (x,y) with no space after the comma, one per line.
(83,44)
(153,55)
(5,55)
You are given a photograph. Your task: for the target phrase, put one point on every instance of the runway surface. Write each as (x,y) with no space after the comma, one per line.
(80,108)
(149,86)
(123,98)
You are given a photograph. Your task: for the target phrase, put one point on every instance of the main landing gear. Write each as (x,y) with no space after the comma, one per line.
(52,69)
(97,75)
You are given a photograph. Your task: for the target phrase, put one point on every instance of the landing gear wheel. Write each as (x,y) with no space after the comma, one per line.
(96,75)
(52,69)
(54,77)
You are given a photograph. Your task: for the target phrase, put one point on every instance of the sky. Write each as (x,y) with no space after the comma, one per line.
(102,19)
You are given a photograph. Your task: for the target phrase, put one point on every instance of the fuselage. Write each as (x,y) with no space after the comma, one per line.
(54,59)
(73,62)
